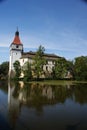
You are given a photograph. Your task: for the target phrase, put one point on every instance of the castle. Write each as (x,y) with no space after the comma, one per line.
(17,54)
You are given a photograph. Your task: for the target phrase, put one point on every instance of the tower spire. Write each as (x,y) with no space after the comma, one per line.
(16,38)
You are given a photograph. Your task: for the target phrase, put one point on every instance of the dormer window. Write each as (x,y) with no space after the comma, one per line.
(16,46)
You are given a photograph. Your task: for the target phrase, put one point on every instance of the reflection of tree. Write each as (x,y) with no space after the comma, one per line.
(60,94)
(4,86)
(37,96)
(80,92)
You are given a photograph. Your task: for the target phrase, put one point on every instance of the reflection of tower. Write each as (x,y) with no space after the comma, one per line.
(16,49)
(13,106)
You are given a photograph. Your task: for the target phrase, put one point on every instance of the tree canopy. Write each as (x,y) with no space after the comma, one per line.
(80,68)
(27,71)
(60,68)
(17,69)
(39,61)
(4,68)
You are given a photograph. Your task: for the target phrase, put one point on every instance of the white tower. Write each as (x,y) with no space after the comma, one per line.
(16,49)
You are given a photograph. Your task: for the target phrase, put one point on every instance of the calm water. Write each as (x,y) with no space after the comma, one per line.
(43,107)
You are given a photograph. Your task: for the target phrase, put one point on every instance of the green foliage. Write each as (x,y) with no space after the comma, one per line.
(70,67)
(39,61)
(27,71)
(40,51)
(80,68)
(17,69)
(4,68)
(60,68)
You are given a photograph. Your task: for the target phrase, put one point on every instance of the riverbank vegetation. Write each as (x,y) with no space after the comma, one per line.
(4,68)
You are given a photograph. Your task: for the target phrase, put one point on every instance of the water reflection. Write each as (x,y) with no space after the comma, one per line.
(41,106)
(34,94)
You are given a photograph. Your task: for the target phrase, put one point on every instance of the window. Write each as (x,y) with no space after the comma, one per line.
(46,67)
(16,46)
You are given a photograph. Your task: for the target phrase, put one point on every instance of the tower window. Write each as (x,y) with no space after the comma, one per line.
(16,46)
(46,67)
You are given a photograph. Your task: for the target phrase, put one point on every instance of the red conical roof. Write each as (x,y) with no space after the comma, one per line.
(17,39)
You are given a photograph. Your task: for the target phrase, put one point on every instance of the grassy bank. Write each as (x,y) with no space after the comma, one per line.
(58,82)
(53,82)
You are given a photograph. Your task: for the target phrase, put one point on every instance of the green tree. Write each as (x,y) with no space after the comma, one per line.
(27,71)
(60,68)
(39,61)
(17,69)
(70,67)
(80,68)
(4,68)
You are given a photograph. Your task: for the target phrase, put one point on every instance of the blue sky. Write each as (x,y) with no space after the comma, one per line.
(58,25)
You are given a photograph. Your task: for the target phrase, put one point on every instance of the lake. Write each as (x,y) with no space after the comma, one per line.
(42,106)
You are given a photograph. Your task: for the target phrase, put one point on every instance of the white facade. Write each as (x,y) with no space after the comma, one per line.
(24,60)
(15,54)
(48,67)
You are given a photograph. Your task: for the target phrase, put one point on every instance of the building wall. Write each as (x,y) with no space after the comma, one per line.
(47,68)
(24,60)
(16,47)
(15,54)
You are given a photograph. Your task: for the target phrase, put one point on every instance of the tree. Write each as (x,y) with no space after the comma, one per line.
(17,69)
(70,68)
(4,68)
(27,71)
(39,61)
(60,68)
(80,68)
(40,51)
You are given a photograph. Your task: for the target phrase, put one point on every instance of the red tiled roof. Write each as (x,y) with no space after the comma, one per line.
(17,40)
